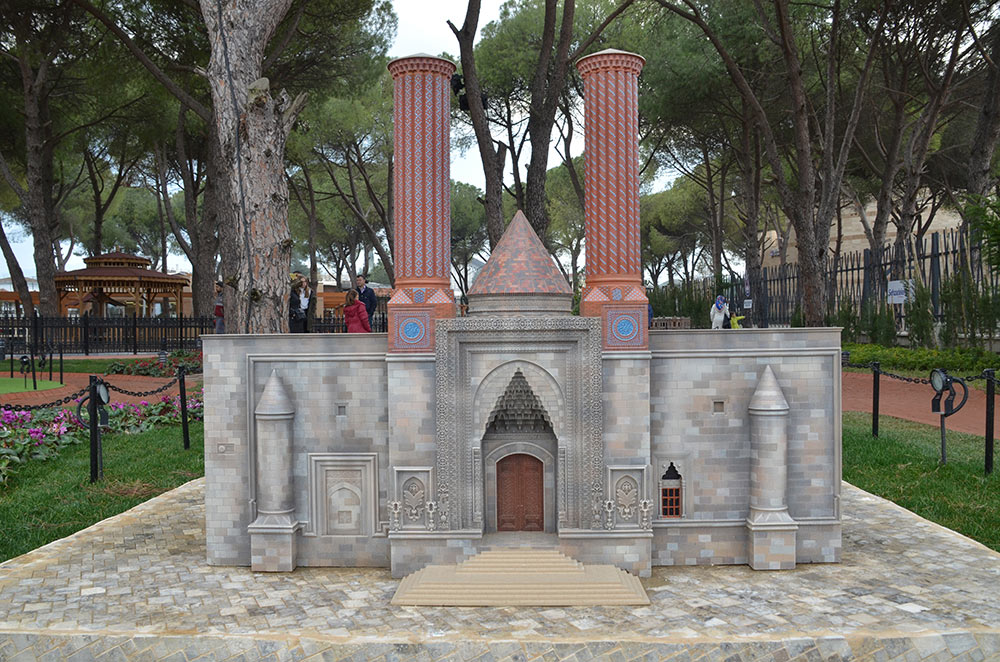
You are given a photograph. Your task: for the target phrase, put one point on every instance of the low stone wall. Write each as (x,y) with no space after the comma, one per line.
(628,551)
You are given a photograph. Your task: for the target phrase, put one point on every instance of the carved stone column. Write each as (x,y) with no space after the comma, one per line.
(771,531)
(273,533)
(614,290)
(422,201)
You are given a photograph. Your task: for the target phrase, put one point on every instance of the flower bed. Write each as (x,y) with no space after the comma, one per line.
(191,361)
(40,434)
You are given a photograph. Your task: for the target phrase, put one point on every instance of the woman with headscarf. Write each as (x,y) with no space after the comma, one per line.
(719,313)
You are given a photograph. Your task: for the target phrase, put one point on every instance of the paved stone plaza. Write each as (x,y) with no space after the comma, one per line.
(137,587)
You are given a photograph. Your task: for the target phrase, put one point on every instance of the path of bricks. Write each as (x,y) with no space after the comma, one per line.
(137,587)
(913,402)
(76,381)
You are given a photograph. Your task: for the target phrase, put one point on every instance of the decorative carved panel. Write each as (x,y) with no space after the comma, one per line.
(627,489)
(413,490)
(343,493)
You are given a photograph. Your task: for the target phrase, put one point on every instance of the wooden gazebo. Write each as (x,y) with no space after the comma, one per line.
(116,277)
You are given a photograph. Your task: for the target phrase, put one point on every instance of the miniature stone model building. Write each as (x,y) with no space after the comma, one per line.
(438,440)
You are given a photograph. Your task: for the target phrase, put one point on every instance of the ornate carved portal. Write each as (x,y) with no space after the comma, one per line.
(560,363)
(520,494)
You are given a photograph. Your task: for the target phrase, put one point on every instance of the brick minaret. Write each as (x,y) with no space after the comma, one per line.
(614,290)
(422,188)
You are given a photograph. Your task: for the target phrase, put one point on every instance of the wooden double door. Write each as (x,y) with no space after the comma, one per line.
(520,493)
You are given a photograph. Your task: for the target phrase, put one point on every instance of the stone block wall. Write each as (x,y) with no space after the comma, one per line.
(700,387)
(337,385)
(628,552)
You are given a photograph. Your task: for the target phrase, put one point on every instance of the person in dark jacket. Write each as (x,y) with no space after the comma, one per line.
(367,296)
(355,315)
(298,306)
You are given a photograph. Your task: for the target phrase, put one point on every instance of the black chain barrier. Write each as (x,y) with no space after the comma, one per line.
(48,405)
(988,375)
(141,394)
(79,394)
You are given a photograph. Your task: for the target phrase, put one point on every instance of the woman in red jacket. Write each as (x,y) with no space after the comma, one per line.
(355,314)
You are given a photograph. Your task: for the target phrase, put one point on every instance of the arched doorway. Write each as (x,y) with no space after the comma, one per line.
(520,493)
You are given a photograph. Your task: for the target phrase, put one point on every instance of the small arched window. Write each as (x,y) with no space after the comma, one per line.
(670,493)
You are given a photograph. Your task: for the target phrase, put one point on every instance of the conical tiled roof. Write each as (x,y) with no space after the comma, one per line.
(520,265)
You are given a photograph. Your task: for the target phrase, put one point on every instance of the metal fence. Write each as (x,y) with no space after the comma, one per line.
(130,335)
(99,335)
(860,278)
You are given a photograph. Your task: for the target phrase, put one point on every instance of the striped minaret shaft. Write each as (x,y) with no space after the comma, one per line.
(422,202)
(611,196)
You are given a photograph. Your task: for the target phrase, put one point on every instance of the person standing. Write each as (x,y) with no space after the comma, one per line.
(220,318)
(298,305)
(355,314)
(719,313)
(367,296)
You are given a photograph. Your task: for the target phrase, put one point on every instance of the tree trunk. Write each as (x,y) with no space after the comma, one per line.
(492,157)
(38,199)
(988,125)
(16,274)
(252,128)
(201,228)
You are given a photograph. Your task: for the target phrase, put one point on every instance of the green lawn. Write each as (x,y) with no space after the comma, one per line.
(902,466)
(88,366)
(45,501)
(16,385)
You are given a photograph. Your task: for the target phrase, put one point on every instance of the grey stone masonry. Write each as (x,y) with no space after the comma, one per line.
(701,386)
(337,386)
(135,587)
(325,450)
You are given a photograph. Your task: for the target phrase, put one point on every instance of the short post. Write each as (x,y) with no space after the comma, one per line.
(184,407)
(86,334)
(34,376)
(61,365)
(990,375)
(34,334)
(12,363)
(135,333)
(50,363)
(95,433)
(876,371)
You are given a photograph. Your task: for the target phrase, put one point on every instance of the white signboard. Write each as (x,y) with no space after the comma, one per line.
(747,304)
(899,290)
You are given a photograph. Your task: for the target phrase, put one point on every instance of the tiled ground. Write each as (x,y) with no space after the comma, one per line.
(137,587)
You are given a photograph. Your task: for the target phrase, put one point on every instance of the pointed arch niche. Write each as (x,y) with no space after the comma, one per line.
(519,425)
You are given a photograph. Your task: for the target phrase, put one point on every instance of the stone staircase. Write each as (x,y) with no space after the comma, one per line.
(520,577)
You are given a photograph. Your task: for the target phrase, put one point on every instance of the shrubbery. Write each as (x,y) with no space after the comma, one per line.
(682,301)
(968,361)
(191,361)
